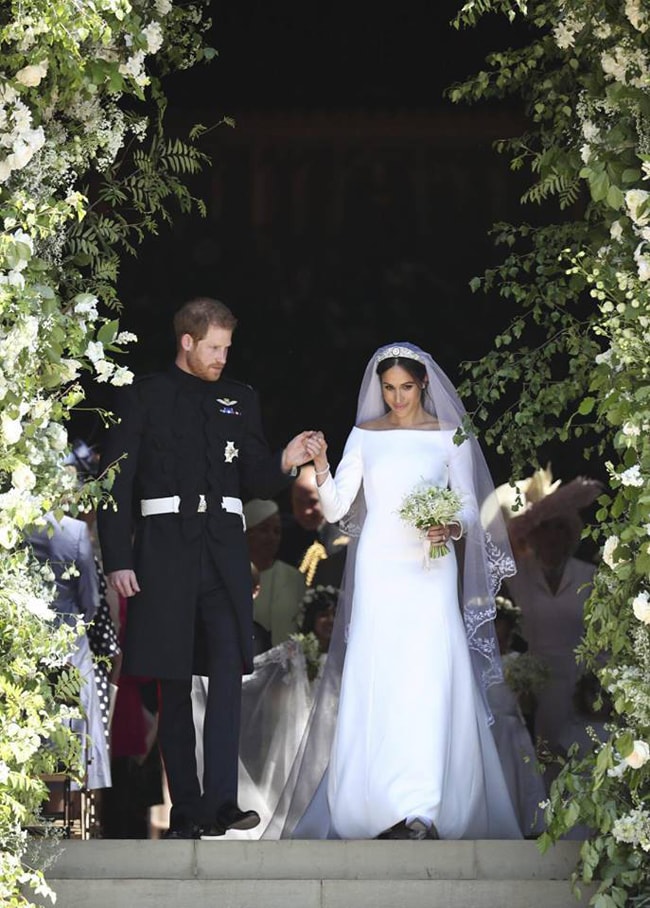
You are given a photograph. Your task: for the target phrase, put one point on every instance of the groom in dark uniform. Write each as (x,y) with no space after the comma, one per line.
(175,543)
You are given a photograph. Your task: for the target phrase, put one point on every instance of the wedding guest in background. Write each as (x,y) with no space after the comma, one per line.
(319,610)
(281,586)
(135,761)
(308,540)
(261,637)
(101,631)
(551,587)
(592,710)
(64,544)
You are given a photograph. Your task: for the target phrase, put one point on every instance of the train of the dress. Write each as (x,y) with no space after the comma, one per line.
(278,711)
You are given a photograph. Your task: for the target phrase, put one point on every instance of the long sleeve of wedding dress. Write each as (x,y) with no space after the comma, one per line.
(337,494)
(461,480)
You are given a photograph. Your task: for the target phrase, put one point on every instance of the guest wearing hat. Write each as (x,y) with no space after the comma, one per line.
(551,586)
(282,586)
(317,548)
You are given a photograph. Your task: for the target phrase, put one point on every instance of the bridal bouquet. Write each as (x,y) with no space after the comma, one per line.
(427,506)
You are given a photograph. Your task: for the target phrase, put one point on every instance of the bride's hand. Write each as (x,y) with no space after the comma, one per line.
(317,447)
(442,533)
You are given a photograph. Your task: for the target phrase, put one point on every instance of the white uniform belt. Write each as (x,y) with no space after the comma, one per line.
(150,507)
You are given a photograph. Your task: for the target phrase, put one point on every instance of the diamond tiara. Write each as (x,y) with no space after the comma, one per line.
(396,352)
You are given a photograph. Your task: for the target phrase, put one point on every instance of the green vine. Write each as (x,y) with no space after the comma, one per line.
(573,363)
(86,170)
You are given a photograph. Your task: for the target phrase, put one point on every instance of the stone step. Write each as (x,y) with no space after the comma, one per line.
(314,894)
(307,874)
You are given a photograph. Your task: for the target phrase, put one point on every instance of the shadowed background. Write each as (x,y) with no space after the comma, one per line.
(350,206)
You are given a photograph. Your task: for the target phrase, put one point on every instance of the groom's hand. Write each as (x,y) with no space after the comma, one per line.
(301,449)
(123,582)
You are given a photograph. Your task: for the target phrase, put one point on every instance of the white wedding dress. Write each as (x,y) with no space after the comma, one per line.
(412,735)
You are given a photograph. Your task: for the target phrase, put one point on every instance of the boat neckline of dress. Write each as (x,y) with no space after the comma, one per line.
(402,429)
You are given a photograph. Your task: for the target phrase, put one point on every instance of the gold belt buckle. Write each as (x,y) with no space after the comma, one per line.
(203,505)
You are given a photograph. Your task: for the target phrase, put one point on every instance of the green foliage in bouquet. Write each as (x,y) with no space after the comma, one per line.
(428,506)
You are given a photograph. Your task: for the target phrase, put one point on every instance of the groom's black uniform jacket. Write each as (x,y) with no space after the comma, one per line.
(187,437)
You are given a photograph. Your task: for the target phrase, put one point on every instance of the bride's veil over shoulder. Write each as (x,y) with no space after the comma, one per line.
(302,811)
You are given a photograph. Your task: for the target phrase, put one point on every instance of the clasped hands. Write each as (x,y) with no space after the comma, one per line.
(309,445)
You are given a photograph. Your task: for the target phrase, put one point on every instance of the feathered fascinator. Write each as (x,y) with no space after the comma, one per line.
(538,498)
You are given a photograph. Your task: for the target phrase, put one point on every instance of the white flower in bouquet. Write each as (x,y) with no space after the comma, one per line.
(427,506)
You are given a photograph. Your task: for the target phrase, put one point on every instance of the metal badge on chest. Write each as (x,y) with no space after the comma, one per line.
(228,406)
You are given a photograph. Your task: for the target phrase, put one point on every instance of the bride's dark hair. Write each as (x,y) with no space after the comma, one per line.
(415,369)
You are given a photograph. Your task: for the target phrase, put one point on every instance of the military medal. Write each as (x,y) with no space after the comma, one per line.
(230,452)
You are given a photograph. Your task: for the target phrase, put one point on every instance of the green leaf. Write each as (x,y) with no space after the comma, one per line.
(615,197)
(108,332)
(599,186)
(631,175)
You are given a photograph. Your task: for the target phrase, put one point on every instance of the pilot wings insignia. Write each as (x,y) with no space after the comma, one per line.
(228,406)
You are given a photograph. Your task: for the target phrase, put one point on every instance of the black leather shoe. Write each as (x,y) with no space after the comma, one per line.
(231,817)
(184,831)
(211,831)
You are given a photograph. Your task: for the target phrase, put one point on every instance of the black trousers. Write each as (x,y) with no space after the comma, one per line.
(216,621)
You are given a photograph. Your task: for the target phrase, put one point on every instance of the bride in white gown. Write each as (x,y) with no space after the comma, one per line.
(412,754)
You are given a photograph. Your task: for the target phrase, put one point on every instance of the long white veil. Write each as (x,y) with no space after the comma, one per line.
(485,560)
